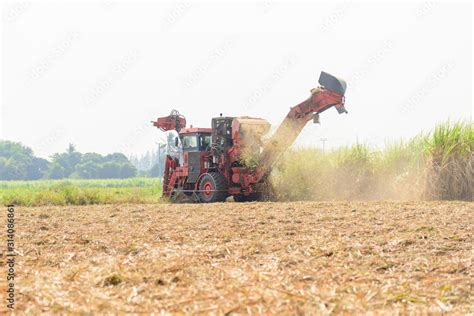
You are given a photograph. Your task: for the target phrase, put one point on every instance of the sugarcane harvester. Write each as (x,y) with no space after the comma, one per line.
(231,158)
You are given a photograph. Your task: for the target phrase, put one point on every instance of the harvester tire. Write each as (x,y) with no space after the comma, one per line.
(212,188)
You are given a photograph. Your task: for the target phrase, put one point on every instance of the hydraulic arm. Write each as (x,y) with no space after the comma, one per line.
(330,93)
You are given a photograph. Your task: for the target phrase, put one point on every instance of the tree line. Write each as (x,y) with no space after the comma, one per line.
(152,163)
(18,162)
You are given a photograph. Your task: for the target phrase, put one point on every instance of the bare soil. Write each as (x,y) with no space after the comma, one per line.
(305,257)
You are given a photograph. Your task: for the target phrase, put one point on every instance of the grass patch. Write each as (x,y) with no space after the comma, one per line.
(80,192)
(437,165)
(450,156)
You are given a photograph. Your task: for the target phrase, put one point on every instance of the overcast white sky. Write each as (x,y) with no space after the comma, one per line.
(96,73)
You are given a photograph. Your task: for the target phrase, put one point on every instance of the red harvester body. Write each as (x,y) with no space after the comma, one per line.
(230,158)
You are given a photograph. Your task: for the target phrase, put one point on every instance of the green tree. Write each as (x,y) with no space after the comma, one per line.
(116,157)
(128,170)
(87,170)
(11,169)
(17,162)
(37,169)
(156,170)
(109,170)
(93,157)
(112,166)
(89,166)
(68,160)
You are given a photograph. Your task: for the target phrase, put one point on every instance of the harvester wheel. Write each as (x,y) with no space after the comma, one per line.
(212,188)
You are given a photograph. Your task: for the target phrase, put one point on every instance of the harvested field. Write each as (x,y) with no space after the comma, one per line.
(303,257)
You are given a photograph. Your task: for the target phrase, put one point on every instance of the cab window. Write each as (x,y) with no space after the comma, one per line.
(205,142)
(190,142)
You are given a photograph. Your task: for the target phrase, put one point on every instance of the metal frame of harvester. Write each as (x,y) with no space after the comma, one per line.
(213,163)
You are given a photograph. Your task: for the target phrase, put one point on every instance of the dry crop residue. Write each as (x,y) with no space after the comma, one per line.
(253,257)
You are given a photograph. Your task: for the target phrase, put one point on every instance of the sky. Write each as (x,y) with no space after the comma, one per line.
(96,73)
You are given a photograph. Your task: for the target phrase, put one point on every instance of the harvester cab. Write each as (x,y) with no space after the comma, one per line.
(195,139)
(232,158)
